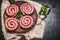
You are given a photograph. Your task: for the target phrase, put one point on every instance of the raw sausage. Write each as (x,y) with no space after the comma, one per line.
(12,10)
(26,21)
(27,8)
(11,24)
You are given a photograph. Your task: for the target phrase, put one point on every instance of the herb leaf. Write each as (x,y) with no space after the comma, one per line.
(19,14)
(45,9)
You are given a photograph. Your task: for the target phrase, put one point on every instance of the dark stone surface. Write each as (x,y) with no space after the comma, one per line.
(52,28)
(52,21)
(22,37)
(1,35)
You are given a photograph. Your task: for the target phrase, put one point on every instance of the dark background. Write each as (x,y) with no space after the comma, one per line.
(52,27)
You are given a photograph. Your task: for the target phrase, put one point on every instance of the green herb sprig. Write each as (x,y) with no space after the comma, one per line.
(45,9)
(19,14)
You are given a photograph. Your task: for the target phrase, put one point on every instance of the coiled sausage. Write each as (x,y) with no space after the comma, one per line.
(11,24)
(12,10)
(27,8)
(26,21)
